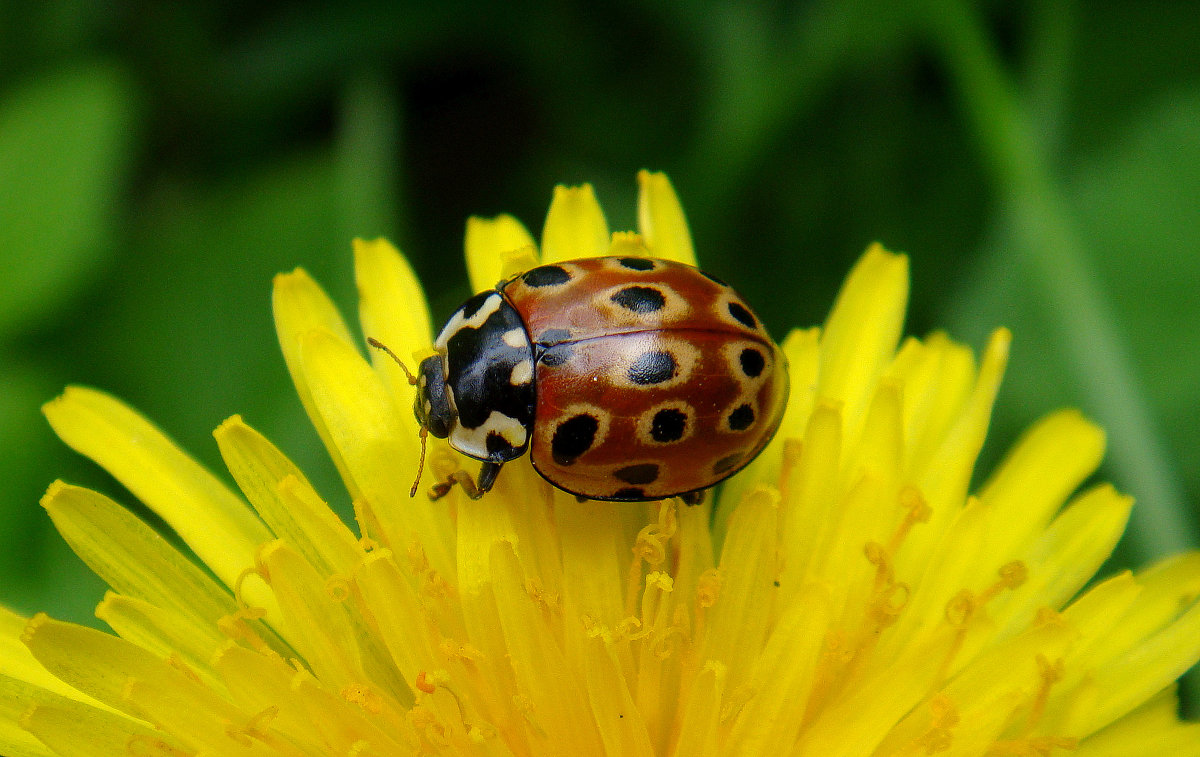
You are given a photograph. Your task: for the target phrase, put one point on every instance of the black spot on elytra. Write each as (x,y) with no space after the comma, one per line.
(668,425)
(629,493)
(573,437)
(640,299)
(741,418)
(652,367)
(546,276)
(549,348)
(642,473)
(637,264)
(726,464)
(551,337)
(497,444)
(742,315)
(555,356)
(752,362)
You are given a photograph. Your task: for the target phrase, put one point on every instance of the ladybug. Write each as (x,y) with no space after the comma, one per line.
(628,379)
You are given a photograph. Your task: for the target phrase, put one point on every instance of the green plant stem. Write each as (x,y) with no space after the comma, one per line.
(367,151)
(1055,258)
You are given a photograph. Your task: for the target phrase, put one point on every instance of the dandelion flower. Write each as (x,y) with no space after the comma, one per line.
(846,594)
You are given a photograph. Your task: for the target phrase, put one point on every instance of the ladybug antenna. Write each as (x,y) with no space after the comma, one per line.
(381,346)
(413,381)
(420,464)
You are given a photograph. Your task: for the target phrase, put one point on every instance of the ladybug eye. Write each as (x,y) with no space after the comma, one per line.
(431,405)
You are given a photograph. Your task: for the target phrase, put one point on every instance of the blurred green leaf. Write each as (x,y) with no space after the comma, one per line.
(40,572)
(367,155)
(65,146)
(190,341)
(1135,206)
(1140,207)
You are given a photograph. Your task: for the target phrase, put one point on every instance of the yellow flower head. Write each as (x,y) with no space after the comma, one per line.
(844,595)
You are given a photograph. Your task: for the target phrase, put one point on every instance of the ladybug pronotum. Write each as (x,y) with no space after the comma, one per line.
(629,379)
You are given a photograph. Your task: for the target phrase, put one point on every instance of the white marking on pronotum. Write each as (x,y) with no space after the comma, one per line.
(457,321)
(522,372)
(515,338)
(473,441)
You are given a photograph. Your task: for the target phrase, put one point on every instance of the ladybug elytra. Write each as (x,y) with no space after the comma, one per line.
(628,379)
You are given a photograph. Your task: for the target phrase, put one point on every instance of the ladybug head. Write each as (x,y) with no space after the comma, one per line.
(431,405)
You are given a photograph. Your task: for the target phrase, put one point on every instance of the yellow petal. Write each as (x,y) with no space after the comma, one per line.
(1143,644)
(348,728)
(1095,611)
(301,306)
(15,740)
(481,523)
(163,632)
(396,609)
(265,684)
(855,521)
(488,240)
(783,678)
(558,706)
(702,714)
(1049,461)
(1153,730)
(321,630)
(132,558)
(212,520)
(17,663)
(391,309)
(749,571)
(661,220)
(199,722)
(944,484)
(950,567)
(880,448)
(811,494)
(81,731)
(96,663)
(1168,587)
(575,226)
(1133,678)
(862,331)
(1066,555)
(938,376)
(621,723)
(369,434)
(285,499)
(595,554)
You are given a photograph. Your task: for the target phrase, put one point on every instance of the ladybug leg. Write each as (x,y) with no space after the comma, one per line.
(487,477)
(693,498)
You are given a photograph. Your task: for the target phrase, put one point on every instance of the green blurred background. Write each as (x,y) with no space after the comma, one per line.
(159,162)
